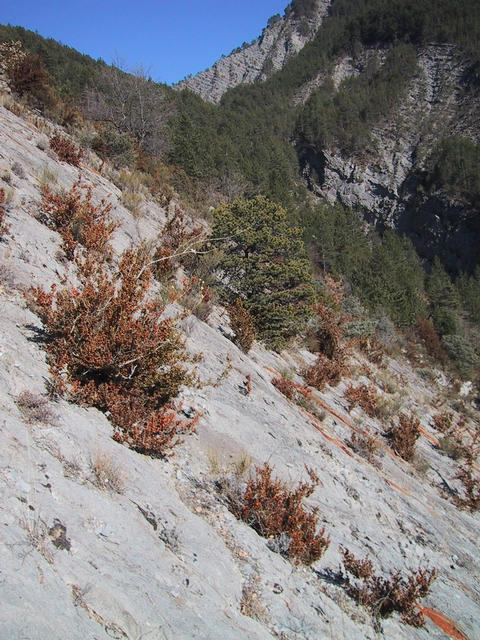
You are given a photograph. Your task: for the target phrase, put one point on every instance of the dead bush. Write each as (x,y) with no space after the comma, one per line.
(3,224)
(177,245)
(382,596)
(364,396)
(366,445)
(272,510)
(471,485)
(326,371)
(404,435)
(78,220)
(109,347)
(443,421)
(324,334)
(25,73)
(431,340)
(35,408)
(291,390)
(65,149)
(107,474)
(242,324)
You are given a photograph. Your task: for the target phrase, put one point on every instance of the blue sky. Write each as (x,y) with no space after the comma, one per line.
(171,39)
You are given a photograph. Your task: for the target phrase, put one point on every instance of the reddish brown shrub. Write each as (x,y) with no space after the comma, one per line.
(443,421)
(78,220)
(3,224)
(108,343)
(325,335)
(290,389)
(364,396)
(371,347)
(471,484)
(26,76)
(383,596)
(365,445)
(270,508)
(326,371)
(177,246)
(430,338)
(65,149)
(404,435)
(242,324)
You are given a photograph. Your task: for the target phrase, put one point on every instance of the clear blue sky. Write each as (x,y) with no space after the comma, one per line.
(170,38)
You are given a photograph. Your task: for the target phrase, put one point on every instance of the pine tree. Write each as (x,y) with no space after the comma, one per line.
(264,262)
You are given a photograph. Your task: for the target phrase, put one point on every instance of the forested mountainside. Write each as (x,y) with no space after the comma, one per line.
(239,349)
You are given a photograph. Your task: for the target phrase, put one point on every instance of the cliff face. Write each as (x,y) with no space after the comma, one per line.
(385,181)
(279,42)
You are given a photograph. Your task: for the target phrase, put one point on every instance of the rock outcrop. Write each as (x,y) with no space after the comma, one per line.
(255,62)
(385,180)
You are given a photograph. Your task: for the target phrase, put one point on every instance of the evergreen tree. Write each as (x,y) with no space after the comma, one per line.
(264,262)
(444,300)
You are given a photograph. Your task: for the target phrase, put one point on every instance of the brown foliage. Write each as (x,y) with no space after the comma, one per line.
(383,596)
(78,220)
(270,508)
(26,75)
(427,333)
(177,246)
(3,224)
(364,396)
(109,342)
(371,346)
(404,435)
(365,445)
(471,484)
(324,337)
(65,149)
(443,421)
(326,370)
(242,324)
(290,389)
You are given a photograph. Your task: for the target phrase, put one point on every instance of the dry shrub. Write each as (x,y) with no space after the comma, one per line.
(3,224)
(290,390)
(326,371)
(443,421)
(404,435)
(78,220)
(65,149)
(471,485)
(382,595)
(35,408)
(274,511)
(365,396)
(178,242)
(366,445)
(25,73)
(431,340)
(109,342)
(242,324)
(107,474)
(371,347)
(325,334)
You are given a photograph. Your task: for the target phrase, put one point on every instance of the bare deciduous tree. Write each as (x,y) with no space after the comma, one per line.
(133,103)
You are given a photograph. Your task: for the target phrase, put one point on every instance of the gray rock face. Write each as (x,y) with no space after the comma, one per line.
(257,61)
(156,554)
(383,180)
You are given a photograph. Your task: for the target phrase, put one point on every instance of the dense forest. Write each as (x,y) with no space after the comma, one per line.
(251,144)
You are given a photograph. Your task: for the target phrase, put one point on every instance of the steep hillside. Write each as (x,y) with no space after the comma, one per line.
(101,541)
(254,62)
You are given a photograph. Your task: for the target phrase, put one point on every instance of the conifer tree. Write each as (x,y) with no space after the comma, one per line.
(264,262)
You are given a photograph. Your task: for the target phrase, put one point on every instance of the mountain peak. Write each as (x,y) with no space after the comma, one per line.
(282,38)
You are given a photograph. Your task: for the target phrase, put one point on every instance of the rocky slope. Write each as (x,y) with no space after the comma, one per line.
(384,181)
(255,62)
(148,549)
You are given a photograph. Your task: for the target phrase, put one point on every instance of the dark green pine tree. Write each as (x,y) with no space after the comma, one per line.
(264,262)
(444,300)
